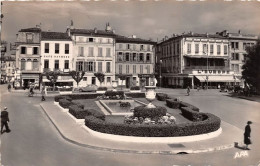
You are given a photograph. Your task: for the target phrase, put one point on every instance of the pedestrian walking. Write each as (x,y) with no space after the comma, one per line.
(9,87)
(198,88)
(4,121)
(43,94)
(188,90)
(247,135)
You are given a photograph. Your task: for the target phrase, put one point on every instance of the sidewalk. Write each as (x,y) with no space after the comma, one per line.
(251,98)
(76,134)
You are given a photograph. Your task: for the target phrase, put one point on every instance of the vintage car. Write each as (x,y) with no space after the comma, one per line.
(89,88)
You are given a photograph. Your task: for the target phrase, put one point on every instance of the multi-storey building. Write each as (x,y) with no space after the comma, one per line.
(238,44)
(57,55)
(28,55)
(10,68)
(94,51)
(135,60)
(194,60)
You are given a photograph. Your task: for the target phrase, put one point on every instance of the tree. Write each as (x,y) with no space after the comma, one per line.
(251,68)
(100,76)
(77,76)
(122,77)
(52,76)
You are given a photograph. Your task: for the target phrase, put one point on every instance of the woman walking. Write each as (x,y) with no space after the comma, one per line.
(247,133)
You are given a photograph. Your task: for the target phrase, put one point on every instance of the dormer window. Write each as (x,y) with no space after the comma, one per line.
(90,39)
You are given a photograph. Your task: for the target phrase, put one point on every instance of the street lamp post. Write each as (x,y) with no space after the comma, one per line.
(160,73)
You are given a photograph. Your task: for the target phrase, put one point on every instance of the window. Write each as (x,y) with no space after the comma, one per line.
(205,48)
(232,45)
(91,51)
(109,80)
(90,39)
(148,69)
(134,69)
(127,57)
(100,52)
(79,66)
(134,47)
(196,48)
(57,48)
(85,78)
(56,64)
(134,57)
(148,58)
(35,64)
(35,50)
(90,66)
(211,49)
(141,47)
(141,69)
(120,56)
(108,69)
(46,48)
(218,49)
(81,51)
(141,57)
(128,46)
(67,48)
(178,49)
(148,48)
(22,64)
(120,69)
(108,52)
(235,56)
(225,49)
(236,45)
(99,66)
(23,50)
(66,64)
(189,48)
(127,69)
(46,64)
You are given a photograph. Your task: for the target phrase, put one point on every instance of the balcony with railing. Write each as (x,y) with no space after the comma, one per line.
(207,67)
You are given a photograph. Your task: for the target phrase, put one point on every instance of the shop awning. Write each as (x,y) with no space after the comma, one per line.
(218,79)
(69,80)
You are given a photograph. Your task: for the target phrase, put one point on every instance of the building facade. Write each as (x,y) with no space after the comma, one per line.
(238,44)
(28,55)
(57,55)
(194,60)
(134,59)
(94,51)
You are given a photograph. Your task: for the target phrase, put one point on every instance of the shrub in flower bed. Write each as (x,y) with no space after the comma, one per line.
(77,112)
(102,89)
(188,113)
(144,112)
(57,98)
(184,104)
(161,120)
(135,88)
(78,104)
(95,113)
(135,95)
(161,96)
(78,96)
(209,124)
(65,103)
(114,94)
(173,103)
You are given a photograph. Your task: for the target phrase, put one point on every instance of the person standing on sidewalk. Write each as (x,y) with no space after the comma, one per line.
(4,120)
(9,87)
(247,134)
(188,90)
(43,94)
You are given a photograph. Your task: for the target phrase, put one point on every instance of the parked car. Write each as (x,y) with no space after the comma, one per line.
(89,88)
(223,89)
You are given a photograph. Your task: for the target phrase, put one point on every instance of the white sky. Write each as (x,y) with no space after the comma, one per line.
(148,19)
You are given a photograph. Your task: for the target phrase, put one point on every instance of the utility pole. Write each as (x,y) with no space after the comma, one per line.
(1,17)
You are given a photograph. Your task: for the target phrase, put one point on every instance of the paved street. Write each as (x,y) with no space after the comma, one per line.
(35,141)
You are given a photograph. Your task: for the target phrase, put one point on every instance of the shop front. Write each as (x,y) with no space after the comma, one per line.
(29,78)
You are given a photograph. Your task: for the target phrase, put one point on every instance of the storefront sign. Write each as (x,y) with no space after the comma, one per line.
(218,72)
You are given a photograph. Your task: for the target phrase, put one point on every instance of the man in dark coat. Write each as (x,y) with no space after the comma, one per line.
(4,120)
(247,133)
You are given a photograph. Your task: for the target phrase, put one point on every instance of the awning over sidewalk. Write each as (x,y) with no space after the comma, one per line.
(46,80)
(218,78)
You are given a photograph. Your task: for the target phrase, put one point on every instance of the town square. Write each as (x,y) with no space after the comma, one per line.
(116,83)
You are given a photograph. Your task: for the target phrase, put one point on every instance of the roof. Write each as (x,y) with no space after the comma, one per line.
(92,32)
(123,39)
(55,36)
(31,30)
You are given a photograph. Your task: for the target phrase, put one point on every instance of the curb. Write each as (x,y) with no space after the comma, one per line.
(172,152)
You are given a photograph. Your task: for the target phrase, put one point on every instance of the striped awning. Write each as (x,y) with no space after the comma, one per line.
(229,78)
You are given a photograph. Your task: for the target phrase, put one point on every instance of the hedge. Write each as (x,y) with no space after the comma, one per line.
(173,103)
(113,94)
(78,104)
(161,96)
(210,124)
(78,96)
(65,103)
(191,115)
(102,88)
(135,88)
(135,95)
(77,112)
(142,111)
(57,98)
(95,113)
(184,104)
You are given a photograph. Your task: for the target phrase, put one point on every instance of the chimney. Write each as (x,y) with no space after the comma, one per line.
(95,30)
(207,34)
(166,37)
(134,36)
(114,31)
(71,24)
(239,31)
(108,28)
(191,33)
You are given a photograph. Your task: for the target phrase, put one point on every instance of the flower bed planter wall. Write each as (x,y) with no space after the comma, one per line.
(173,103)
(161,96)
(209,124)
(191,115)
